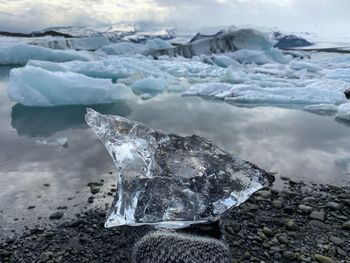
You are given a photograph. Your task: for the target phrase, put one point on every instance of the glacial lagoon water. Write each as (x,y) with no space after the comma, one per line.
(289,142)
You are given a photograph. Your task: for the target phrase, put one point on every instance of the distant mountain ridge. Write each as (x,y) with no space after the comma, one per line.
(141,33)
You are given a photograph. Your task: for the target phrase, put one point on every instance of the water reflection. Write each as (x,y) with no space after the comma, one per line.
(343,122)
(45,121)
(291,142)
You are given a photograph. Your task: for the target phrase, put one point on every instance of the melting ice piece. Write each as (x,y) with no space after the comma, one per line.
(57,142)
(169,180)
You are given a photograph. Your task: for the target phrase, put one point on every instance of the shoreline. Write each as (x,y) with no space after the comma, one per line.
(299,223)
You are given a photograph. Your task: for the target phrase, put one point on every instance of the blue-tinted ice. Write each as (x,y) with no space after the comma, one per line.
(169,180)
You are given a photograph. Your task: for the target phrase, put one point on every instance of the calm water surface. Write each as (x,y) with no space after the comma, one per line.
(290,142)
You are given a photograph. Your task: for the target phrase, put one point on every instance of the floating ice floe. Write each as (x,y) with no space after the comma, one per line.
(20,54)
(322,109)
(250,93)
(344,111)
(149,85)
(33,86)
(57,142)
(169,180)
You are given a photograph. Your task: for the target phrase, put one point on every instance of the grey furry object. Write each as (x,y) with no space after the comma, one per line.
(169,247)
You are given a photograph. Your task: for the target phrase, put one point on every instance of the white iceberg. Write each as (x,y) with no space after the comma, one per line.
(32,86)
(251,56)
(339,74)
(225,61)
(344,111)
(123,48)
(309,66)
(158,43)
(248,93)
(149,85)
(188,68)
(20,54)
(112,68)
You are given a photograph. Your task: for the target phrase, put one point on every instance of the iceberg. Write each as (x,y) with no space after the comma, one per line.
(251,56)
(224,42)
(158,43)
(225,61)
(123,48)
(83,43)
(168,180)
(299,65)
(111,68)
(33,86)
(20,54)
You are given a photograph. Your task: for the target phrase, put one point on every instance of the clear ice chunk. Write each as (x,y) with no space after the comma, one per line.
(168,180)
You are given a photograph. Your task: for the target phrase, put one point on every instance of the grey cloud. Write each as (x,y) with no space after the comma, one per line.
(327,17)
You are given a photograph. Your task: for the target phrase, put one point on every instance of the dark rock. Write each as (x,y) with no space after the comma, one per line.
(305,209)
(278,204)
(347,93)
(284,178)
(336,240)
(283,239)
(333,205)
(341,252)
(291,225)
(309,201)
(318,224)
(289,255)
(317,215)
(268,232)
(324,259)
(346,225)
(77,223)
(56,215)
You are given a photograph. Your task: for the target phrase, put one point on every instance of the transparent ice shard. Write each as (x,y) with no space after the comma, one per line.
(169,180)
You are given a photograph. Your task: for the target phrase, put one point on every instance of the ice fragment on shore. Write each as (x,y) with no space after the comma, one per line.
(169,180)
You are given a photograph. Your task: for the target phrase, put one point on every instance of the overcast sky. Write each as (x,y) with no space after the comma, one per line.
(324,17)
